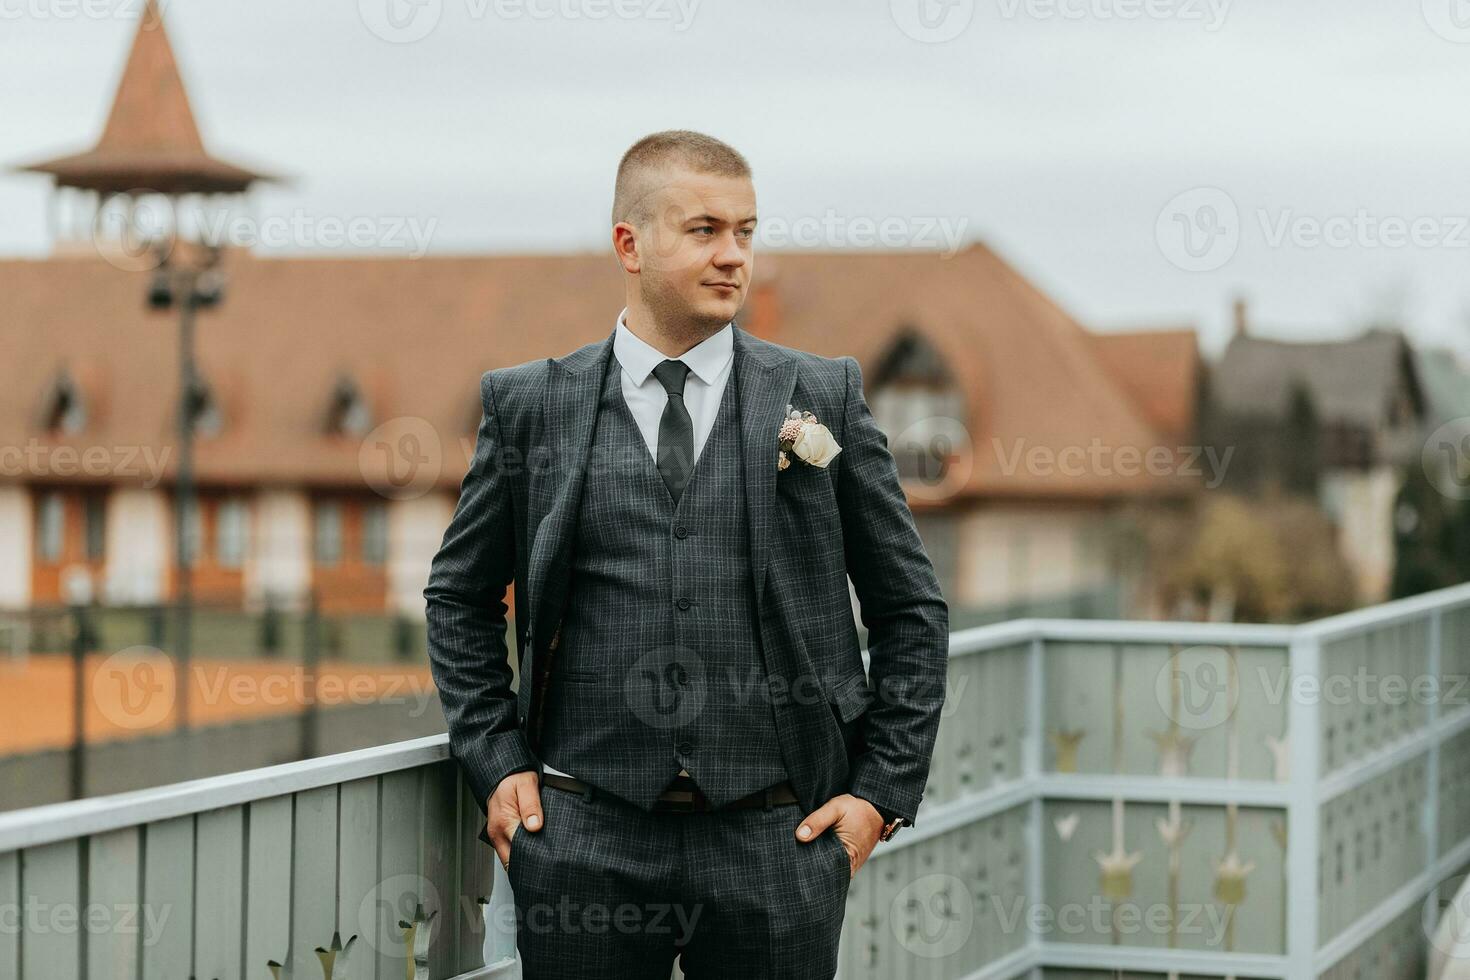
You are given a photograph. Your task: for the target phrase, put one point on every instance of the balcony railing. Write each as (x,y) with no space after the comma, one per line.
(1156,798)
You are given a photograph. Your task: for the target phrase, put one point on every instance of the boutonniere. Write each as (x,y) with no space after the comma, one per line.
(809,440)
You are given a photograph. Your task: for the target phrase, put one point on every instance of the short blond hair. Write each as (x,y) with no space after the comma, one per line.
(641,166)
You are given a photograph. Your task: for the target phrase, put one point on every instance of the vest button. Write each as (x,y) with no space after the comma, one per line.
(683,602)
(680,531)
(685,748)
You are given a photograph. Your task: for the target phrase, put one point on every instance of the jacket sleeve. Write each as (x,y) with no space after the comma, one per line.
(901,606)
(466,609)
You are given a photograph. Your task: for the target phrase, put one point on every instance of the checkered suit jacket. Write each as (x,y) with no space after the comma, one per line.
(811,528)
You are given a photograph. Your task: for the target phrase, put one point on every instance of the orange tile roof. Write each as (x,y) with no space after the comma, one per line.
(417,333)
(1030,373)
(1160,370)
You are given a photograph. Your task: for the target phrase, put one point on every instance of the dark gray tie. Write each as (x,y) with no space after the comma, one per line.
(675,429)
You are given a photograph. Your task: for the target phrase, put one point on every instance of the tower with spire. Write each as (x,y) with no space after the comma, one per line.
(149,175)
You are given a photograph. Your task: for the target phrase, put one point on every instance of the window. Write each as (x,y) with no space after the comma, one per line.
(375,533)
(94,529)
(66,413)
(917,404)
(328,532)
(231,532)
(50,518)
(922,426)
(204,410)
(349,413)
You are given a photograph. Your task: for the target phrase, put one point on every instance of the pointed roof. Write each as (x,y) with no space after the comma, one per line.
(151,140)
(1353,380)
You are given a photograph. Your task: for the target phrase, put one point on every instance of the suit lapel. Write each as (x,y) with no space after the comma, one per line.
(765,382)
(569,411)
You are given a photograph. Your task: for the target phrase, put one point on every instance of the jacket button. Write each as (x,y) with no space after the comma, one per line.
(685,748)
(683,602)
(680,531)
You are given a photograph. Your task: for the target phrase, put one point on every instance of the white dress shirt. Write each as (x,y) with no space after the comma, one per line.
(709,368)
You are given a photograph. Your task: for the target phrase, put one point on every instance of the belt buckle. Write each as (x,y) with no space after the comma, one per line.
(697,802)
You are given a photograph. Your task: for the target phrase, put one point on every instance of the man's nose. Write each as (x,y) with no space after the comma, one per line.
(730,255)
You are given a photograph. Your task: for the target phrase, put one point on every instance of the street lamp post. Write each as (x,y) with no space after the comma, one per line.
(150,146)
(189,286)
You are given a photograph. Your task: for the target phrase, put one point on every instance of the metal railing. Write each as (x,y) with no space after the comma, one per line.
(357,865)
(1196,794)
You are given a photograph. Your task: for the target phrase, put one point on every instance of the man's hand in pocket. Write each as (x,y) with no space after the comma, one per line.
(515,805)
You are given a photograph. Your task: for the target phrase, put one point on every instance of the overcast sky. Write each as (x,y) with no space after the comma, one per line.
(1141,160)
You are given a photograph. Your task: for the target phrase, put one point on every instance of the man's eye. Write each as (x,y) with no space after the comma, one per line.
(747,232)
(705,229)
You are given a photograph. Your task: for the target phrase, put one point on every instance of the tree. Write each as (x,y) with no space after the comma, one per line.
(1272,558)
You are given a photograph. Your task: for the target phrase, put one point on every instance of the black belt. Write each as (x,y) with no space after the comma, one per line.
(683,796)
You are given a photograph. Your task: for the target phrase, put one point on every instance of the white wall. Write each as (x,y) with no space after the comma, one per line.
(138,546)
(1008,553)
(17,526)
(415,531)
(1361,501)
(278,559)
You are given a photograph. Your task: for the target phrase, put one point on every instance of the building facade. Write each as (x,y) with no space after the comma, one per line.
(337,398)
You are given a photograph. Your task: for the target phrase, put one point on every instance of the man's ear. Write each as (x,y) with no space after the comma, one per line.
(625,244)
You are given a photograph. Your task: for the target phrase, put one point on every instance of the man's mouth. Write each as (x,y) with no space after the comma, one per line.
(727,286)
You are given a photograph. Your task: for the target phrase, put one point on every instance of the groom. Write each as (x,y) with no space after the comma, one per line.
(693,762)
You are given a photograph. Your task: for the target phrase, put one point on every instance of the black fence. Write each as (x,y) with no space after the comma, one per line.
(293,631)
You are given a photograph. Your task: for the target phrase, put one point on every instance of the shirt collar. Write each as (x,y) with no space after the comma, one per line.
(705,359)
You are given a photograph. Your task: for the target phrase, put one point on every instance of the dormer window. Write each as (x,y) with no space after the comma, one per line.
(64,411)
(204,406)
(917,404)
(348,413)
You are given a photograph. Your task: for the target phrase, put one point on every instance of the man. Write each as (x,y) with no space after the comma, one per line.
(693,762)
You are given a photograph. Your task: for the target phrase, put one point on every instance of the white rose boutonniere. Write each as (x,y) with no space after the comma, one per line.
(806,438)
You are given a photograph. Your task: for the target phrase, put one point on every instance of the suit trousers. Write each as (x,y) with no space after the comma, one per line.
(607,889)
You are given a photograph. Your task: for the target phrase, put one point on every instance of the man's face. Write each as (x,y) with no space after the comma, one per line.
(696,247)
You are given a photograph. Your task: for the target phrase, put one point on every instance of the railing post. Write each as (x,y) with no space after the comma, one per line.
(1430,822)
(1032,762)
(1033,752)
(1302,814)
